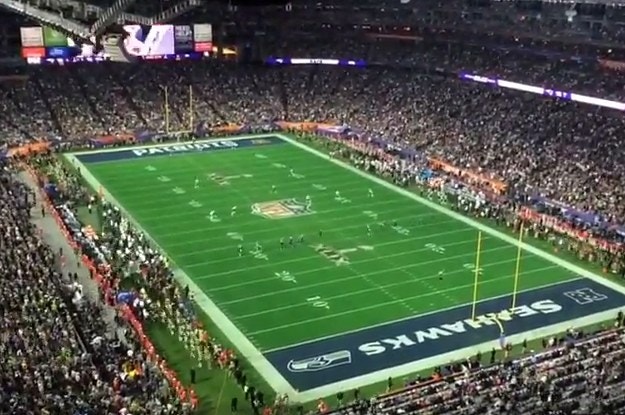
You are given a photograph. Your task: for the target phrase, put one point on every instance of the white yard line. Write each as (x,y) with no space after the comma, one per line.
(379,287)
(206,182)
(399,320)
(442,359)
(373,288)
(316,257)
(364,261)
(300,323)
(464,219)
(226,226)
(361,226)
(274,377)
(243,344)
(229,228)
(353,277)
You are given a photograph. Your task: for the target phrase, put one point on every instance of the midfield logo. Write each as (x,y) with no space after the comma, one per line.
(281,209)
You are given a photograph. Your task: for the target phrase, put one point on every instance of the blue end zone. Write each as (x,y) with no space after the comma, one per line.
(169,149)
(317,363)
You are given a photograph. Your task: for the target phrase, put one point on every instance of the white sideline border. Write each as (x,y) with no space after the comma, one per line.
(273,377)
(242,343)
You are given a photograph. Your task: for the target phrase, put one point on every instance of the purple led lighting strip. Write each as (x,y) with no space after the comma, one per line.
(554,93)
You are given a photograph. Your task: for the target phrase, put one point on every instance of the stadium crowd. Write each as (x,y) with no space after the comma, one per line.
(56,352)
(136,279)
(578,374)
(505,135)
(565,151)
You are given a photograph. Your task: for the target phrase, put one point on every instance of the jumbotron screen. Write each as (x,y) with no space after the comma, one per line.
(40,44)
(162,41)
(47,45)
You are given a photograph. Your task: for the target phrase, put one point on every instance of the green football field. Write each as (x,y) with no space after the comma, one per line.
(326,278)
(369,255)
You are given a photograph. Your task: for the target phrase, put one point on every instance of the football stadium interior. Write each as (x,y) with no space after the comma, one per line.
(360,208)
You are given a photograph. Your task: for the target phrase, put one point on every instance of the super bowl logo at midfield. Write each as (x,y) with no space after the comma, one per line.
(280,209)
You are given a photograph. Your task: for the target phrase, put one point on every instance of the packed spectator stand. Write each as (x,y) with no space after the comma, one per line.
(412,98)
(58,354)
(439,116)
(575,376)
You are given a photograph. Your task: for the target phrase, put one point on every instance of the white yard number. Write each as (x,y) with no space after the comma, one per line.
(370,214)
(178,191)
(278,165)
(235,235)
(213,218)
(404,231)
(317,302)
(195,204)
(286,276)
(260,255)
(435,248)
(471,267)
(163,179)
(150,168)
(260,156)
(320,187)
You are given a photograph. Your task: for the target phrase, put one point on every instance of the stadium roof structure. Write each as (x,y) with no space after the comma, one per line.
(69,16)
(412,3)
(609,3)
(603,2)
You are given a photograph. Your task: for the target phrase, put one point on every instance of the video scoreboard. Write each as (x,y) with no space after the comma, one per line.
(167,41)
(45,44)
(41,43)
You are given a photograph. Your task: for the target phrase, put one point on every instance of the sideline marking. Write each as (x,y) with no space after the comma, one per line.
(264,367)
(243,344)
(369,378)
(367,368)
(468,221)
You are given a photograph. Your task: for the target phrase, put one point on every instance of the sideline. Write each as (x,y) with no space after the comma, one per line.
(466,220)
(412,367)
(242,343)
(267,370)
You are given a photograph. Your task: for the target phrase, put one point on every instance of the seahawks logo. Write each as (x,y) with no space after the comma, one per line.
(317,363)
(280,209)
